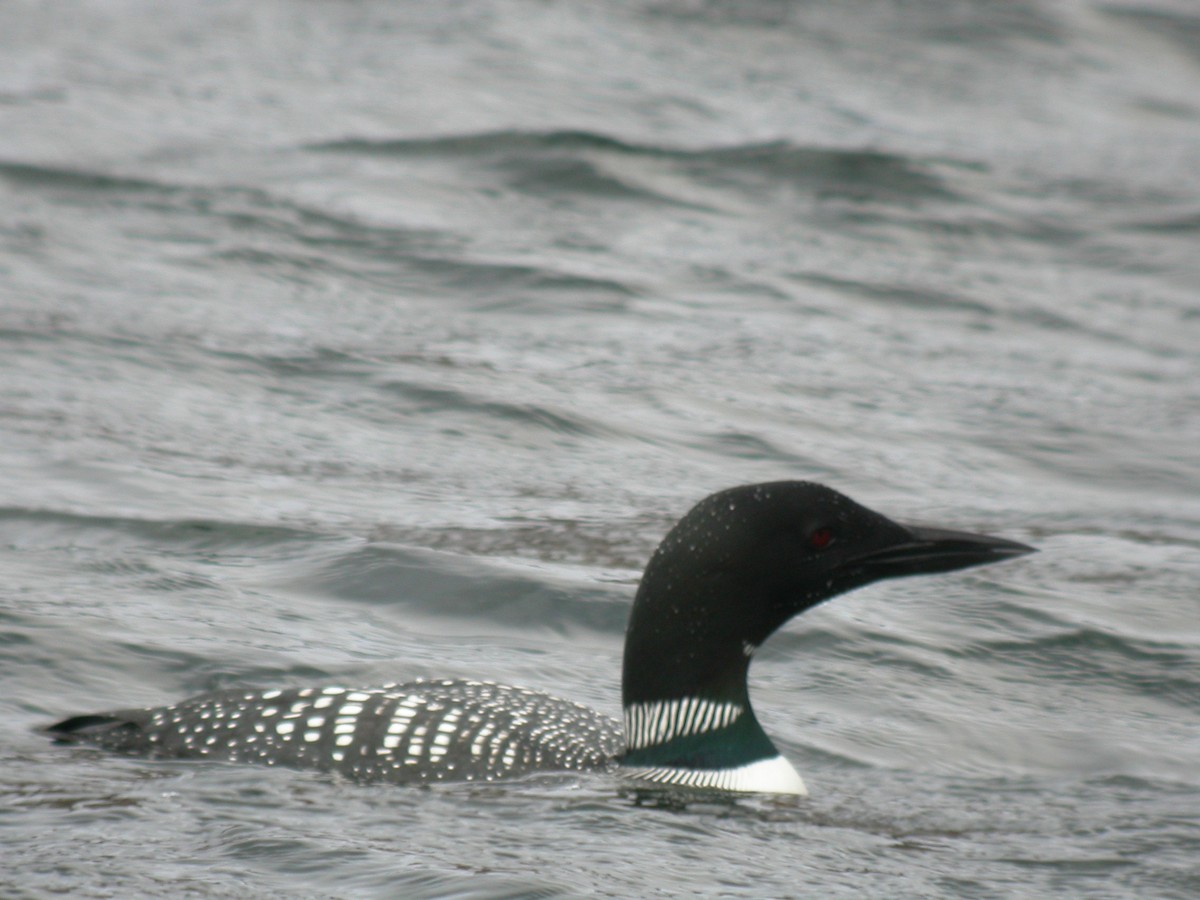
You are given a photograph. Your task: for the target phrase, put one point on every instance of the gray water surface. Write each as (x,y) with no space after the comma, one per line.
(362,342)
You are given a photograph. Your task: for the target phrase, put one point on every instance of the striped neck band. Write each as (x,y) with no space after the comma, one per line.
(649,724)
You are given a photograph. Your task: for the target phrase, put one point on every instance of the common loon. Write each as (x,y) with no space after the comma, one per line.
(740,564)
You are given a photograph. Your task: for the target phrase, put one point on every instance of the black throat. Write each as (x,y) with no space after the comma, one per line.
(740,564)
(703,607)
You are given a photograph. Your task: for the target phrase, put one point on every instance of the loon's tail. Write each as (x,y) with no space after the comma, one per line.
(122,730)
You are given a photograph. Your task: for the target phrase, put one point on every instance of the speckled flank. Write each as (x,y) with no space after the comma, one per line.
(416,732)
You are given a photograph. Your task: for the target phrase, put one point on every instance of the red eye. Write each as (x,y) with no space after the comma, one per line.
(821,538)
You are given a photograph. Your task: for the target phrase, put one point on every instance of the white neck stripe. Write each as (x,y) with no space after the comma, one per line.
(657,722)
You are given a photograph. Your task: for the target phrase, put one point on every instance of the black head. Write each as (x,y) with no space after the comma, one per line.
(747,559)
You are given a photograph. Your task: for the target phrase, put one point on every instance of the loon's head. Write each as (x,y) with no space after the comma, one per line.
(739,565)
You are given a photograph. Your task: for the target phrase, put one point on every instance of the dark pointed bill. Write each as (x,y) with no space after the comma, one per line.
(929,550)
